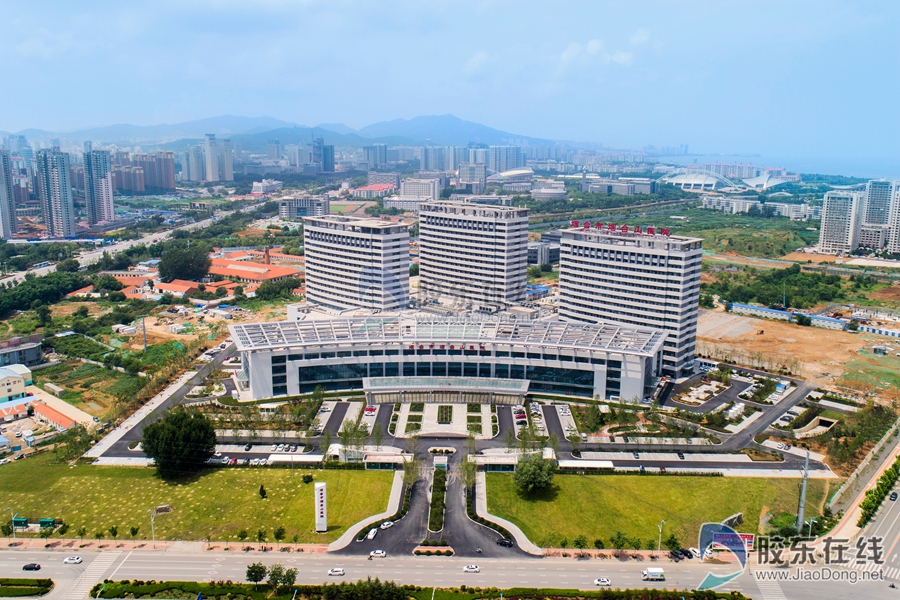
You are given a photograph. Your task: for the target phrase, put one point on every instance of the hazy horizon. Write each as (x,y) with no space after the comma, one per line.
(807,81)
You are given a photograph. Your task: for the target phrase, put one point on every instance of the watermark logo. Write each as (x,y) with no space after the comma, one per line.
(723,537)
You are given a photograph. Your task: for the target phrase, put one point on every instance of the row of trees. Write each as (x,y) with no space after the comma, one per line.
(774,287)
(278,576)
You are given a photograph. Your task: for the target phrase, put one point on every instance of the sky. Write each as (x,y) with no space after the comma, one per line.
(799,79)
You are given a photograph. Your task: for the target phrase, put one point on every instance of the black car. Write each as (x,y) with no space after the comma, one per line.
(676,556)
(681,455)
(636,455)
(893,496)
(32,567)
(505,542)
(686,553)
(247,448)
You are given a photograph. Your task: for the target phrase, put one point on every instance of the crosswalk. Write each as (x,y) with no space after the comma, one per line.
(770,590)
(888,572)
(92,575)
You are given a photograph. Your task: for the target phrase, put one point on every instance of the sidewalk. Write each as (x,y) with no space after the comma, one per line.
(482,510)
(393,506)
(174,547)
(116,434)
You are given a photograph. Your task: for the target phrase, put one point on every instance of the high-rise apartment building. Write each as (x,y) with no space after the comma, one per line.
(356,262)
(504,158)
(619,275)
(274,149)
(432,158)
(841,220)
(212,158)
(881,194)
(381,177)
(55,191)
(196,164)
(328,159)
(7,198)
(98,186)
(226,161)
(470,173)
(473,251)
(375,155)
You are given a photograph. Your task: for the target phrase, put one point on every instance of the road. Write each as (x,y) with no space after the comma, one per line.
(886,525)
(568,573)
(90,257)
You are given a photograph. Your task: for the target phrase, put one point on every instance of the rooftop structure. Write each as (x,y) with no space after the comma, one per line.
(250,272)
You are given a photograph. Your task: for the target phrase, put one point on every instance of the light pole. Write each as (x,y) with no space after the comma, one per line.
(659,541)
(809,529)
(12,520)
(152,514)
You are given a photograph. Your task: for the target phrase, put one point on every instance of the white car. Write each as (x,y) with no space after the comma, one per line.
(604,581)
(471,569)
(387,524)
(262,461)
(378,554)
(372,533)
(336,572)
(695,552)
(274,447)
(72,560)
(708,554)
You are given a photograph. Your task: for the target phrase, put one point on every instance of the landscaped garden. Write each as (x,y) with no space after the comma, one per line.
(218,502)
(635,504)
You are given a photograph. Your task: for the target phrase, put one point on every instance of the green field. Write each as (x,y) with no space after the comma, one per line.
(597,506)
(89,387)
(871,371)
(219,502)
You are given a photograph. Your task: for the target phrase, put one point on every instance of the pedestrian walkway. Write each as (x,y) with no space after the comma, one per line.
(770,590)
(892,573)
(91,576)
(116,434)
(394,503)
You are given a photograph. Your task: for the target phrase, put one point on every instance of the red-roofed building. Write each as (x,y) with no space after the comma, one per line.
(134,291)
(250,272)
(52,416)
(82,293)
(177,287)
(375,190)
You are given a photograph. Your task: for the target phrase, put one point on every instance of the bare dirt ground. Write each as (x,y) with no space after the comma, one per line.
(804,257)
(889,294)
(820,352)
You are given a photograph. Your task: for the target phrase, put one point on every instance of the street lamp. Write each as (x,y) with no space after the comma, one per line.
(12,520)
(659,541)
(152,514)
(809,530)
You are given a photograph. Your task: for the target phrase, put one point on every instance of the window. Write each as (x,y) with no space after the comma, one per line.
(279,379)
(279,360)
(311,356)
(279,369)
(533,355)
(343,353)
(376,352)
(598,361)
(279,390)
(454,369)
(295,356)
(409,369)
(360,352)
(500,354)
(518,355)
(328,355)
(391,352)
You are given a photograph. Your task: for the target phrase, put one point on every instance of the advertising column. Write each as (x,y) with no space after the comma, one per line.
(321,509)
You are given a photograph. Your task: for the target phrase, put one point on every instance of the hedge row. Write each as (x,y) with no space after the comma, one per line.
(14,588)
(438,491)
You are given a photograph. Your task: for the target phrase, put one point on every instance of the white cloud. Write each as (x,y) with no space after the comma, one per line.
(639,37)
(476,62)
(570,53)
(594,46)
(621,58)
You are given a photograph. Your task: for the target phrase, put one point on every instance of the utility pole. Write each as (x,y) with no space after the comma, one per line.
(659,541)
(803,495)
(144,325)
(12,520)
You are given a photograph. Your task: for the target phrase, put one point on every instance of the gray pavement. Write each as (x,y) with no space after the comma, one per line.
(567,573)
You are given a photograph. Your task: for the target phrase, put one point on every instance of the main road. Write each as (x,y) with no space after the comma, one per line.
(73,582)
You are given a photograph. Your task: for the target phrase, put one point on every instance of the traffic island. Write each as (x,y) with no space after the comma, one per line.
(426,549)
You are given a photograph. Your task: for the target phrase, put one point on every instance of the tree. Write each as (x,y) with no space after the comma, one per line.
(180,442)
(6,529)
(534,273)
(509,440)
(256,572)
(377,435)
(69,265)
(279,534)
(114,532)
(46,532)
(619,540)
(276,572)
(533,474)
(580,542)
(99,535)
(672,543)
(575,440)
(43,315)
(243,535)
(261,536)
(239,294)
(413,269)
(326,442)
(598,544)
(468,473)
(191,263)
(81,532)
(411,470)
(289,577)
(546,268)
(133,531)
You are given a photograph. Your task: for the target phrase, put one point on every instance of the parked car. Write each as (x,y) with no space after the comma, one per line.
(471,569)
(681,455)
(248,448)
(387,525)
(505,542)
(378,554)
(694,551)
(893,496)
(72,560)
(636,455)
(262,461)
(687,554)
(372,533)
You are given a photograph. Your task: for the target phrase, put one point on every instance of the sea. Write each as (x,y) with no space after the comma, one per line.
(869,168)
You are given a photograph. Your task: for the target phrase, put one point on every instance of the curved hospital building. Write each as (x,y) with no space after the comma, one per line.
(400,356)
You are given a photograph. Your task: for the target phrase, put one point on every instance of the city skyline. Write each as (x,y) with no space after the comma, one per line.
(712,77)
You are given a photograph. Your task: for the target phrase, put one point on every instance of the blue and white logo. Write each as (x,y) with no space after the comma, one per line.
(722,537)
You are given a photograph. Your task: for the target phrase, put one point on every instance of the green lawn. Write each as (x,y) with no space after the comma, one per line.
(598,506)
(219,502)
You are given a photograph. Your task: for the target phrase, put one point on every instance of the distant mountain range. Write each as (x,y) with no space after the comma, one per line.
(253,133)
